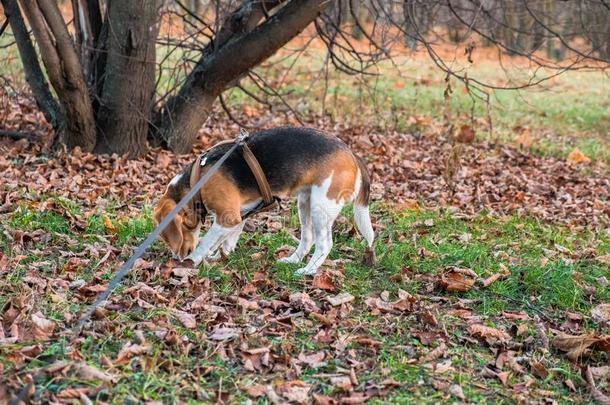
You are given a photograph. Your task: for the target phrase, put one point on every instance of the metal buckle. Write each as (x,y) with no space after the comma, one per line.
(243,136)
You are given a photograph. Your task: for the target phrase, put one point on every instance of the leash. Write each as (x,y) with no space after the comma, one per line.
(116,280)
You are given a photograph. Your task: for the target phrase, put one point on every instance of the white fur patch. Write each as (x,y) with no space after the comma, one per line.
(174,181)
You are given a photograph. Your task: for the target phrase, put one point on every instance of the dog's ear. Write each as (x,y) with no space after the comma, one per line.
(172,234)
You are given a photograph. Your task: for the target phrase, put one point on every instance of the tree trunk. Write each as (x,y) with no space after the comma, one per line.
(33,73)
(65,73)
(127,94)
(184,114)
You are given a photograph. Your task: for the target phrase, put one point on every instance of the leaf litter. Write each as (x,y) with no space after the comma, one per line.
(257,334)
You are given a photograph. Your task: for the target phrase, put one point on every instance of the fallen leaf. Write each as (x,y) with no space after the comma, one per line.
(577,346)
(524,140)
(340,299)
(256,390)
(407,205)
(487,332)
(539,370)
(108,225)
(601,313)
(597,395)
(294,391)
(466,134)
(456,281)
(342,382)
(188,320)
(576,156)
(130,350)
(302,300)
(74,392)
(223,334)
(42,327)
(90,373)
(314,360)
(323,281)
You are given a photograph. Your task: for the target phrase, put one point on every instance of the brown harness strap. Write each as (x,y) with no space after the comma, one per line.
(258,173)
(196,204)
(261,180)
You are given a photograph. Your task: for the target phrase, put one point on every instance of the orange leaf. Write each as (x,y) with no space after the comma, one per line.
(455,281)
(488,332)
(110,228)
(466,134)
(576,156)
(524,140)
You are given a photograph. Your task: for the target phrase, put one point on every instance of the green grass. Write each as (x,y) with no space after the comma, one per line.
(549,276)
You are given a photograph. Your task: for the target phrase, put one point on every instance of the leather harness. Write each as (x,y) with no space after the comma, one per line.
(269,200)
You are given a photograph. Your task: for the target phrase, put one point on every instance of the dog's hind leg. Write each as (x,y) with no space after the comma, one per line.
(324,211)
(306,241)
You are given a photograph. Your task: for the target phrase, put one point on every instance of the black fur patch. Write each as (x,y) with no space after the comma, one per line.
(283,153)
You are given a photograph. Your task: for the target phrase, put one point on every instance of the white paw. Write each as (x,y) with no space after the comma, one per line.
(306,271)
(290,259)
(214,257)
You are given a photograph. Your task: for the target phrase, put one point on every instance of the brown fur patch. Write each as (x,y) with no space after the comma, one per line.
(345,172)
(221,196)
(180,239)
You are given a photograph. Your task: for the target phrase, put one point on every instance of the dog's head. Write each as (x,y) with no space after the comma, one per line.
(182,233)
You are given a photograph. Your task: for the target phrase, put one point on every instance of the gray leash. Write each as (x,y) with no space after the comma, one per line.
(156,232)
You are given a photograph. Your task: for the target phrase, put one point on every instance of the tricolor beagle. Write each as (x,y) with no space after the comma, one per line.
(319,169)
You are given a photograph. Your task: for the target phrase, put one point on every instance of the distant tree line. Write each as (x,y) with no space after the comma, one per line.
(96,76)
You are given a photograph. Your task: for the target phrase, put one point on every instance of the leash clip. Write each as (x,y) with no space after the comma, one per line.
(243,136)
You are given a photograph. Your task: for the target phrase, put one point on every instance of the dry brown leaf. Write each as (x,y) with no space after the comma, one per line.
(323,281)
(340,299)
(90,373)
(597,395)
(74,392)
(601,313)
(576,156)
(294,391)
(130,350)
(222,334)
(303,301)
(42,327)
(524,140)
(575,346)
(256,390)
(455,281)
(466,134)
(487,332)
(188,320)
(342,382)
(314,360)
(407,205)
(539,370)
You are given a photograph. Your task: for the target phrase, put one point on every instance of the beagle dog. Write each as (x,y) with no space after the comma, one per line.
(319,169)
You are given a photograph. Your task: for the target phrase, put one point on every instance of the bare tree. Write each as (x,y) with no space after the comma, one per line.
(102,65)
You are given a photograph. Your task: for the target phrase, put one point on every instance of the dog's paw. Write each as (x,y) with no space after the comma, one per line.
(306,271)
(214,257)
(290,259)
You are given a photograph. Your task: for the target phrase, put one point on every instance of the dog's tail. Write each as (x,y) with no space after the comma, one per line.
(362,216)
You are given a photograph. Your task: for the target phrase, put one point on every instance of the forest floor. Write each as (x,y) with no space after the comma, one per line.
(491,282)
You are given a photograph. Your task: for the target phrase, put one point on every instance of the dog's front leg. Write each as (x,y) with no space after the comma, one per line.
(211,241)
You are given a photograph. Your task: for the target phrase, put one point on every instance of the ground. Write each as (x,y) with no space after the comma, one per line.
(491,282)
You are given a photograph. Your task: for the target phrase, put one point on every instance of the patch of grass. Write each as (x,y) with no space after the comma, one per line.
(551,271)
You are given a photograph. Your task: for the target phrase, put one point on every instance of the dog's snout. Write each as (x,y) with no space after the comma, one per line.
(188,252)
